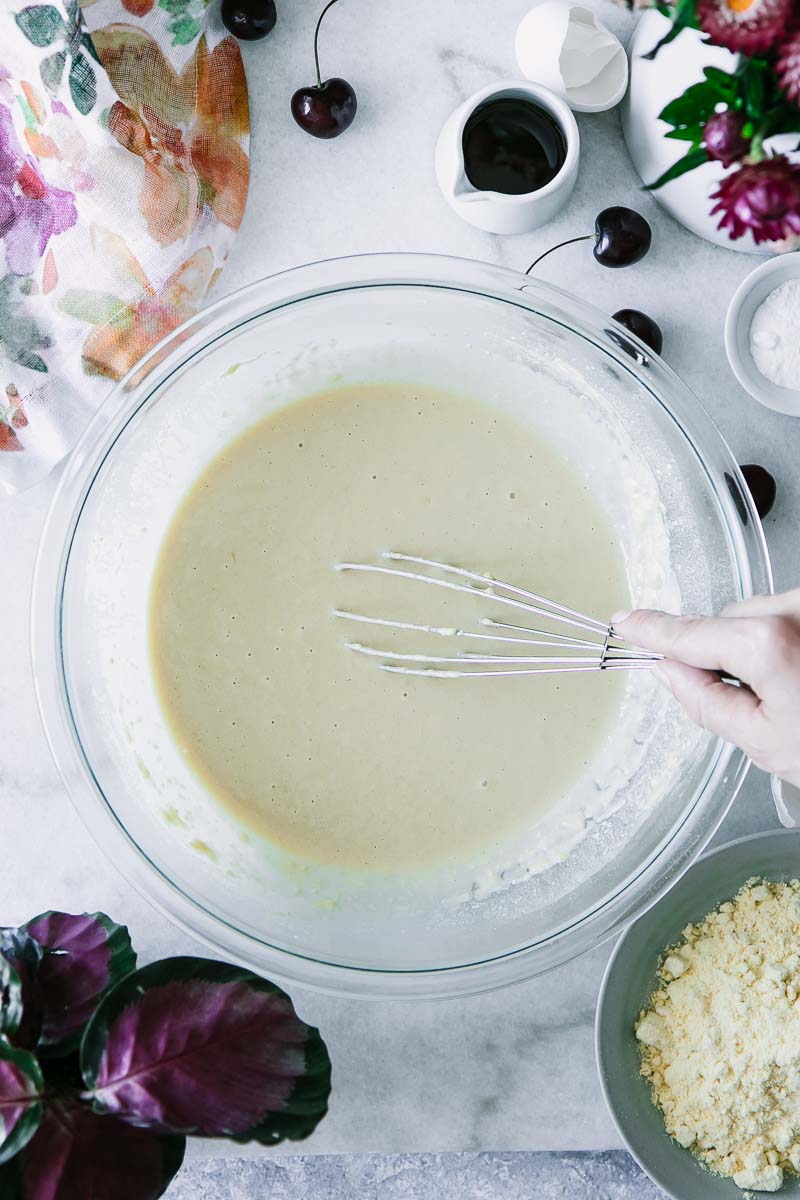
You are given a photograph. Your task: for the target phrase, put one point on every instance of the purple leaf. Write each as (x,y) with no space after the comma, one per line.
(83,955)
(76,1154)
(21,1086)
(10,996)
(23,1021)
(192,1046)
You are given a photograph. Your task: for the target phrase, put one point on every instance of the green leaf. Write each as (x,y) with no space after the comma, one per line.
(98,308)
(88,45)
(51,70)
(184,30)
(26,358)
(21,1086)
(41,24)
(664,41)
(688,133)
(725,83)
(82,84)
(683,16)
(787,121)
(693,107)
(754,93)
(686,11)
(695,158)
(179,7)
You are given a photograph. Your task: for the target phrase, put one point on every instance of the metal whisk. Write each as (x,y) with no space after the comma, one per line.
(598,649)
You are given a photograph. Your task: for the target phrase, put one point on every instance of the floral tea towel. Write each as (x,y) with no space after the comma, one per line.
(123,177)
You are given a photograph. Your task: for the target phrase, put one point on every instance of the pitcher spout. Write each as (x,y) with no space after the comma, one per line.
(463,191)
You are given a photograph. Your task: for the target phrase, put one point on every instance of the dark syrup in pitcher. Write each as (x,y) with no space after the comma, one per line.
(513,146)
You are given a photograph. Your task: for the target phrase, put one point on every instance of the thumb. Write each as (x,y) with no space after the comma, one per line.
(714,643)
(731,712)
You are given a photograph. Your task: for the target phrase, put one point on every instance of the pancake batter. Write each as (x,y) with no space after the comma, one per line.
(309,744)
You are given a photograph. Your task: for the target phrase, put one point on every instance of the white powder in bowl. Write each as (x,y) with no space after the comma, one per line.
(775,335)
(721,1037)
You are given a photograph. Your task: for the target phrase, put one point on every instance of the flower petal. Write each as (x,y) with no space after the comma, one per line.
(222,88)
(142,74)
(224,167)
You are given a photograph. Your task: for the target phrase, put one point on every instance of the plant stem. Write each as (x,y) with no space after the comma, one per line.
(756,152)
(584,238)
(330,4)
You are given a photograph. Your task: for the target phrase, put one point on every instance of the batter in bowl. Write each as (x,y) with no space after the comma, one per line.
(307,743)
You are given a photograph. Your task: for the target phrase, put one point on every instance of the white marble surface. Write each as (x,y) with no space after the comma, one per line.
(513,1070)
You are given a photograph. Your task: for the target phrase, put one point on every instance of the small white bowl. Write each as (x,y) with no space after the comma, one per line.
(751,293)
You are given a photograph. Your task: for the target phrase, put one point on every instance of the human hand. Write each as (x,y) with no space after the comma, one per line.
(758,642)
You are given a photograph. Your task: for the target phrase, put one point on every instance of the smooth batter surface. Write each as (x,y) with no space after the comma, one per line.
(310,744)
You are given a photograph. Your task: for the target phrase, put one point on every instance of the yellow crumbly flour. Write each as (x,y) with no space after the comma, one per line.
(721,1039)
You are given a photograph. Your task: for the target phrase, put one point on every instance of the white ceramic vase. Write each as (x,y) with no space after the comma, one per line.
(652,85)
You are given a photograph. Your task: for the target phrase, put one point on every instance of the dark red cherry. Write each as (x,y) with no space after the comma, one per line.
(643,326)
(762,487)
(249,19)
(621,237)
(325,110)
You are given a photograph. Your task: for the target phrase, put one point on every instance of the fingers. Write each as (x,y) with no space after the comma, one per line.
(714,643)
(732,713)
(783,604)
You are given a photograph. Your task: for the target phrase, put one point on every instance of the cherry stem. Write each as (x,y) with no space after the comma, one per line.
(569,242)
(330,4)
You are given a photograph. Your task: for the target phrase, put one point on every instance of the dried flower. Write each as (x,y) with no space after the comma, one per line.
(745,26)
(762,197)
(723,138)
(788,66)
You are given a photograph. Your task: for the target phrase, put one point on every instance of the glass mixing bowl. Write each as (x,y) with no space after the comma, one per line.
(604,400)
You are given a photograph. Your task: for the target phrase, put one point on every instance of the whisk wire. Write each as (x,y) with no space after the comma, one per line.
(607,650)
(489,590)
(551,606)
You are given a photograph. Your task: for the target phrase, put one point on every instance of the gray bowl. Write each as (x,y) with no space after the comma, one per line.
(630,980)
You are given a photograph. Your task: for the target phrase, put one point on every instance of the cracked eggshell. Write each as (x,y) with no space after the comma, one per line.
(566,48)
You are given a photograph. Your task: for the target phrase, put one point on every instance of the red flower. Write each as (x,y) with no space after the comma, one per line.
(763,197)
(746,26)
(788,66)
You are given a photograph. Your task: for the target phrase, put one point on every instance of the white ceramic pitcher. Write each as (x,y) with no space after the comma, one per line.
(498,212)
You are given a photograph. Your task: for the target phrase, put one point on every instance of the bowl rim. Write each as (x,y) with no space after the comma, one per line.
(618,952)
(724,775)
(737,332)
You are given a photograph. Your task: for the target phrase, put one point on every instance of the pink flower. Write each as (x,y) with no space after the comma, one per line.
(763,197)
(788,66)
(31,211)
(746,26)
